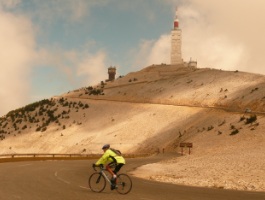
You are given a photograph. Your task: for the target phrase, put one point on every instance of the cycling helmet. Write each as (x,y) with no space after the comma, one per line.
(106,146)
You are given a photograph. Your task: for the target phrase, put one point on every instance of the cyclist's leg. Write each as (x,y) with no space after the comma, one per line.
(117,168)
(108,168)
(113,179)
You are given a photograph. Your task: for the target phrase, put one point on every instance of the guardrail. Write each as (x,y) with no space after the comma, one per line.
(56,156)
(53,155)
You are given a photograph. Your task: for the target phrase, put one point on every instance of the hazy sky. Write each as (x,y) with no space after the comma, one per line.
(49,47)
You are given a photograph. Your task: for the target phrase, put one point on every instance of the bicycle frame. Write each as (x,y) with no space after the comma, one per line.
(123,183)
(102,172)
(105,175)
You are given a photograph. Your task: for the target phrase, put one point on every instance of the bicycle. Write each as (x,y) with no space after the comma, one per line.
(97,181)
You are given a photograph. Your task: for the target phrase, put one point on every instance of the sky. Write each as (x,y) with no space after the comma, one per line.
(54,46)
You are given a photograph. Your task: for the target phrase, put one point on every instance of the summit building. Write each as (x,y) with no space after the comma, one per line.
(176,57)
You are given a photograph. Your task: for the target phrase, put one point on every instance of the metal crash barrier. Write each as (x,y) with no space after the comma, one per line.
(54,156)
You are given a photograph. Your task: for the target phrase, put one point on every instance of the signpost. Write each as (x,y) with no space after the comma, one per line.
(185,144)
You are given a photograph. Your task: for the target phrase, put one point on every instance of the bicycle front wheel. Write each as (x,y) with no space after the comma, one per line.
(124,184)
(97,182)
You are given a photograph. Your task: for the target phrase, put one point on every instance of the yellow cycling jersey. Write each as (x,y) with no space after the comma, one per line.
(109,156)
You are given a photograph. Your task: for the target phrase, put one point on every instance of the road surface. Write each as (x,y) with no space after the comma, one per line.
(67,180)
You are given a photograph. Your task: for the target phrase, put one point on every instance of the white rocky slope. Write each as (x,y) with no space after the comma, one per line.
(157,108)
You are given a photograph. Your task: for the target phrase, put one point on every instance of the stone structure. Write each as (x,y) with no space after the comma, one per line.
(112,73)
(176,57)
(192,64)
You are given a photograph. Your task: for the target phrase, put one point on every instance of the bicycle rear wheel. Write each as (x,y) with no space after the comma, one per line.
(124,184)
(97,182)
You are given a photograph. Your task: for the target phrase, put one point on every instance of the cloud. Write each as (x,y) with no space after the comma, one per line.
(217,34)
(152,52)
(92,67)
(201,42)
(160,52)
(16,56)
(80,67)
(224,35)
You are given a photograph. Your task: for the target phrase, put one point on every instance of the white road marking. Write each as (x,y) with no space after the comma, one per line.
(60,179)
(83,187)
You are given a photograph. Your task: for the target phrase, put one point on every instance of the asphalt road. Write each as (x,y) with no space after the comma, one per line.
(67,180)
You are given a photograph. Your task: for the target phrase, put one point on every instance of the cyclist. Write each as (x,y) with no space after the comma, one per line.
(111,158)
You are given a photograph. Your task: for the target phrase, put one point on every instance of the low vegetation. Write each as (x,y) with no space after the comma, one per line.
(39,115)
(94,91)
(251,119)
(234,132)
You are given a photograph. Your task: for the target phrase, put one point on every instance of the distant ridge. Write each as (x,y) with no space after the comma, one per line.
(160,105)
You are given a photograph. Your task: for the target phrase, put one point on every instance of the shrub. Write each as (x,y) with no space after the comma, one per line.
(64,112)
(234,132)
(96,92)
(253,90)
(5,124)
(61,100)
(24,127)
(18,121)
(251,119)
(242,118)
